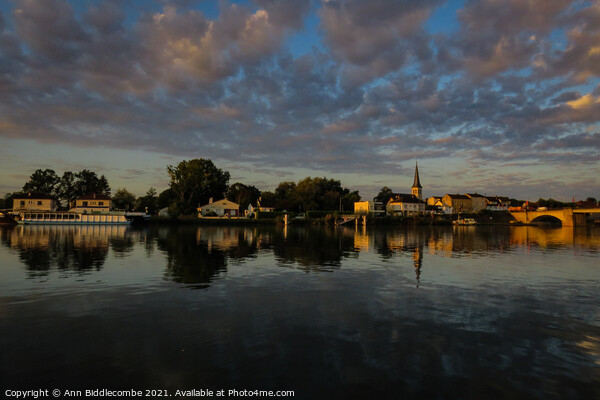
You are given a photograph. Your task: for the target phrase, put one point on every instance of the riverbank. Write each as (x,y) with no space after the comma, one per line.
(482,218)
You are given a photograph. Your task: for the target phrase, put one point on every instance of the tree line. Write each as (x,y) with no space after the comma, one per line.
(192,183)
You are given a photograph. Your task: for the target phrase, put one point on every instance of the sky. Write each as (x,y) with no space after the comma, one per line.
(499,97)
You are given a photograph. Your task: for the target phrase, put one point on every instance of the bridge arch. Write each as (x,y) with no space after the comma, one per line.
(547,218)
(565,215)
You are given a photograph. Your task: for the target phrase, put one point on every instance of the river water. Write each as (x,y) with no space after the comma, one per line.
(419,312)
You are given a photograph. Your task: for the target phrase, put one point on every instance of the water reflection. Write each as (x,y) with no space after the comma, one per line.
(66,248)
(329,313)
(198,255)
(312,249)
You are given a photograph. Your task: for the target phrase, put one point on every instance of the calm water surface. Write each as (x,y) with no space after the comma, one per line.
(452,312)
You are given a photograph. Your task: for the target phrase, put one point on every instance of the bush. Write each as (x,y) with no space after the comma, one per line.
(270,215)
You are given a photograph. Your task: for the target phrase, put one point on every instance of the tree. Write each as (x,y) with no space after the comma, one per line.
(195,181)
(314,194)
(124,200)
(87,182)
(243,194)
(384,195)
(9,197)
(349,199)
(42,182)
(270,198)
(165,199)
(66,188)
(286,197)
(550,203)
(148,203)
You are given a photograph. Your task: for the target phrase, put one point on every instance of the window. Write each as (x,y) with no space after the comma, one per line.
(22,203)
(85,203)
(39,202)
(100,203)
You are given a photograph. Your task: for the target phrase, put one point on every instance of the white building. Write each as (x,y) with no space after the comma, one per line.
(222,208)
(93,203)
(34,202)
(405,204)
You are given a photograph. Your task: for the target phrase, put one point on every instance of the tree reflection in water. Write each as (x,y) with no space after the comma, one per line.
(313,249)
(197,255)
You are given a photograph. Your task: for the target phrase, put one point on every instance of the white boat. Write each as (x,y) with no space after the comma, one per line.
(72,218)
(465,221)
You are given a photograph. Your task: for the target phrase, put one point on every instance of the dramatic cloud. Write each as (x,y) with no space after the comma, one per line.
(353,87)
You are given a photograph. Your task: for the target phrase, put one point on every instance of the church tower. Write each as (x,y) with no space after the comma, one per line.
(416,187)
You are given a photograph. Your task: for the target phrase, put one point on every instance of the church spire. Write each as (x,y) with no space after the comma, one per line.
(417,182)
(416,187)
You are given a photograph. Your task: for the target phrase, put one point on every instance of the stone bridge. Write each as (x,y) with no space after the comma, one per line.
(567,216)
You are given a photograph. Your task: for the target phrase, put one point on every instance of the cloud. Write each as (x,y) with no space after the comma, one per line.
(181,48)
(373,38)
(513,81)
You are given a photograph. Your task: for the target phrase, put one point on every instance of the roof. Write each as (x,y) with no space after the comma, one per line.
(223,203)
(458,196)
(498,198)
(475,195)
(94,196)
(404,198)
(417,182)
(37,196)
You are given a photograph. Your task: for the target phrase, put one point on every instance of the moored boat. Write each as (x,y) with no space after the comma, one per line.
(465,221)
(72,218)
(6,219)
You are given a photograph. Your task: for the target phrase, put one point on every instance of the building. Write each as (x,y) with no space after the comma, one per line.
(417,189)
(478,202)
(369,207)
(458,202)
(408,204)
(405,204)
(497,203)
(93,203)
(34,202)
(433,200)
(261,206)
(437,205)
(264,205)
(220,208)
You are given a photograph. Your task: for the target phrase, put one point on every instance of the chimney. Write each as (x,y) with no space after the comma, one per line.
(210,201)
